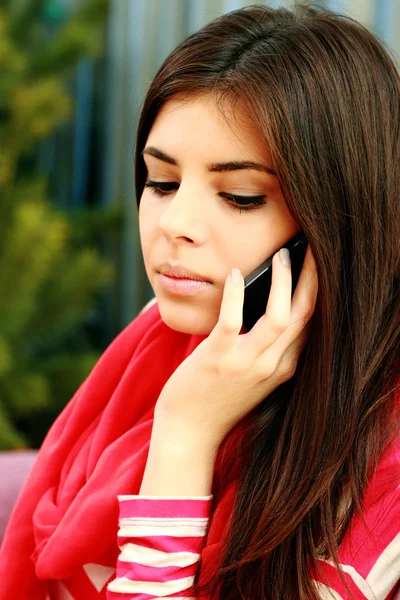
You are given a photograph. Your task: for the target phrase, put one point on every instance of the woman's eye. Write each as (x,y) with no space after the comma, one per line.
(158,187)
(243,203)
(240,203)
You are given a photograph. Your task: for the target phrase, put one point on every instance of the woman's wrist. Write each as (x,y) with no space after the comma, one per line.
(178,432)
(180,461)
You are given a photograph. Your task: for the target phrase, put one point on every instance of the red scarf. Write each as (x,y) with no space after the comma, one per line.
(67,513)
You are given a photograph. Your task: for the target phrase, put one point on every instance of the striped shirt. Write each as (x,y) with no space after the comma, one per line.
(161,539)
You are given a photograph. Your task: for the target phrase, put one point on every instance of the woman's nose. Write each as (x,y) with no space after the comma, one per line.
(184,217)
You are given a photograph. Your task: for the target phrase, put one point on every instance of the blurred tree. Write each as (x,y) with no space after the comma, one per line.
(51,270)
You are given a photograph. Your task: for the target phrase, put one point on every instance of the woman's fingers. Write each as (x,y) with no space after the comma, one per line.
(305,295)
(225,333)
(302,308)
(281,359)
(277,313)
(285,317)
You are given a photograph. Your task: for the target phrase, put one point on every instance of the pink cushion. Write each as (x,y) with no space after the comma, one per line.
(14,469)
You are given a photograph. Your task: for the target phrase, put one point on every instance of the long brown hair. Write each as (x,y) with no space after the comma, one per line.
(325,94)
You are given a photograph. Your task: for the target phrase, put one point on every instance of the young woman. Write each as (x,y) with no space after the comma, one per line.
(261,464)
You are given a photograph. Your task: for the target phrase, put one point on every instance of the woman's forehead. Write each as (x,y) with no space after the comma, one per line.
(204,121)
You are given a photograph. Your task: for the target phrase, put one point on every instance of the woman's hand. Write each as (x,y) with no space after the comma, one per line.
(228,374)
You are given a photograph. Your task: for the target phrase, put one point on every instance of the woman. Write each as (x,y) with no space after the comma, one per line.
(265,464)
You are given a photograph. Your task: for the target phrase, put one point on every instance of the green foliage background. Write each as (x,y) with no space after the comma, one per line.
(51,269)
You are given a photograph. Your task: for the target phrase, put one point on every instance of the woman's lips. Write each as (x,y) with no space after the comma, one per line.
(181,286)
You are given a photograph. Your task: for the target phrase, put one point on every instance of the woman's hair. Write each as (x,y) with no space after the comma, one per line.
(324,93)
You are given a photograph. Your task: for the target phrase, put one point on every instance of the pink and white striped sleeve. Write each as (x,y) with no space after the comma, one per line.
(161,539)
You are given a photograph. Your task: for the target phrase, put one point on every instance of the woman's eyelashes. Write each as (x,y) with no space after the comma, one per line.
(240,203)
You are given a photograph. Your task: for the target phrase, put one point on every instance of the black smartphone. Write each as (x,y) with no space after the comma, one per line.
(257,284)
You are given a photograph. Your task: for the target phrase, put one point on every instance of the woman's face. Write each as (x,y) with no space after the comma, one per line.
(195,224)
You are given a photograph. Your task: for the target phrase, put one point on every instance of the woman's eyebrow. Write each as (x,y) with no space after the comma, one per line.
(233,165)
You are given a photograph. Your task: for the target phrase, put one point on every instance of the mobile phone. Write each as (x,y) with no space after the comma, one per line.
(257,284)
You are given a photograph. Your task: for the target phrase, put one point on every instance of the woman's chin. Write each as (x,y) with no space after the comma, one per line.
(187,320)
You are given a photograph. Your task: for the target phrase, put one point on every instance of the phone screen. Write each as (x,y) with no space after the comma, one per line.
(257,284)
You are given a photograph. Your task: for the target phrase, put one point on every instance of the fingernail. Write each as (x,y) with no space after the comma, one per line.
(236,275)
(284,256)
